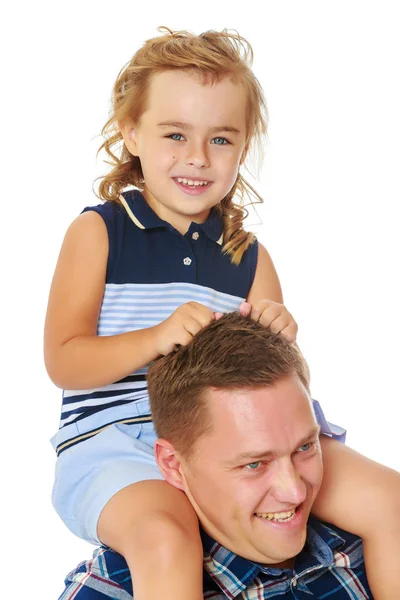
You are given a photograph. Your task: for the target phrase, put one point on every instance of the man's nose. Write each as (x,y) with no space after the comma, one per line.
(289,488)
(197,156)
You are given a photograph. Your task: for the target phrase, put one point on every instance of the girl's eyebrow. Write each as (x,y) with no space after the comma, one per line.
(181,125)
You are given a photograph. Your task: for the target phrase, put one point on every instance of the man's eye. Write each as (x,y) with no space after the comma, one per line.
(176,136)
(253,466)
(220,141)
(305,447)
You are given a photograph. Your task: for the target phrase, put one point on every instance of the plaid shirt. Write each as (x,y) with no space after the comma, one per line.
(331,565)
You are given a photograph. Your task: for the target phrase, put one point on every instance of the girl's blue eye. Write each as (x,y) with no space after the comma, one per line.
(176,136)
(220,141)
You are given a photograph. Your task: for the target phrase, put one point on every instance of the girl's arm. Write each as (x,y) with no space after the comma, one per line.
(363,497)
(75,356)
(264,302)
(266,282)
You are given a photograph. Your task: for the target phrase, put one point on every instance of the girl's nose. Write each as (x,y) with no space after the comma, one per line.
(197,157)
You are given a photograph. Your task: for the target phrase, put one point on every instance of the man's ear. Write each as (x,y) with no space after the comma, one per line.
(169,463)
(128,132)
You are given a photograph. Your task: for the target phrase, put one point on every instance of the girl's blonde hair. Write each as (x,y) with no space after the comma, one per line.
(212,56)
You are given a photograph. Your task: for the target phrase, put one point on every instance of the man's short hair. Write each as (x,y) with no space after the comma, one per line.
(234,352)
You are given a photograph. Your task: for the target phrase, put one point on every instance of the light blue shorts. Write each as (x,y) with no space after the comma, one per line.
(91,472)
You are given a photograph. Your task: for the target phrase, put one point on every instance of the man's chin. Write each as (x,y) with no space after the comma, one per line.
(283,540)
(282,554)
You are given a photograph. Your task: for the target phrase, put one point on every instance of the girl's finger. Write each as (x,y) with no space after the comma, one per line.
(269,315)
(245,309)
(290,332)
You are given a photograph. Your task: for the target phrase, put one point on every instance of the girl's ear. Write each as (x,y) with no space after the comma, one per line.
(169,463)
(128,132)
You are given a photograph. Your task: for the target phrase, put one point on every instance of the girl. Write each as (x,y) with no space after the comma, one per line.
(144,272)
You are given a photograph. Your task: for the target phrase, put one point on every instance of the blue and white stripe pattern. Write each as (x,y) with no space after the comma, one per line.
(128,307)
(331,566)
(152,269)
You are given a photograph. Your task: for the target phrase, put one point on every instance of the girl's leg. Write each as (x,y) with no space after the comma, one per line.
(363,497)
(153,525)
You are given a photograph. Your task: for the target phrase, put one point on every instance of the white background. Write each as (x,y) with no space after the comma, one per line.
(330,71)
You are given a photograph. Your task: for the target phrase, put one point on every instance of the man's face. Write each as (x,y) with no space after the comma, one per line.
(252,480)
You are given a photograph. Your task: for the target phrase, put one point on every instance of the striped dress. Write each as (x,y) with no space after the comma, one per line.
(152,269)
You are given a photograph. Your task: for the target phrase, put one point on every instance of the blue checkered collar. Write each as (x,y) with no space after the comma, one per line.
(233,574)
(145,218)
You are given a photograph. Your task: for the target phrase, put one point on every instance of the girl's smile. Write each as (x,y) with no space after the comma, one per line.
(192,187)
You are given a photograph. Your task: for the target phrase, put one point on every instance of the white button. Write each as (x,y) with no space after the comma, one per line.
(187,261)
(195,235)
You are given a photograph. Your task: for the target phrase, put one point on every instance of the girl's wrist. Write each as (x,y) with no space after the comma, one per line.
(154,339)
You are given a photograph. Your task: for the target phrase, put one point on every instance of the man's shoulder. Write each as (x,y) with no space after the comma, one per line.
(332,559)
(106,573)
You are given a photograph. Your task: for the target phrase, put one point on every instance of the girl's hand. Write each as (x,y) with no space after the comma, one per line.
(273,315)
(179,328)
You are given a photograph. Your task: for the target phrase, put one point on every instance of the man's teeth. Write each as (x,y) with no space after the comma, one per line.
(191,181)
(280,517)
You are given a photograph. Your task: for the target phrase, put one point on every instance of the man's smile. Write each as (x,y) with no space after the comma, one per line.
(290,520)
(280,517)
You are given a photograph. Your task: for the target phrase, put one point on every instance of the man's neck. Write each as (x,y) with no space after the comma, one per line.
(286,564)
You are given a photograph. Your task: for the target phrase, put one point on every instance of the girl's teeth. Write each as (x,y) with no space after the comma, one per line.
(191,181)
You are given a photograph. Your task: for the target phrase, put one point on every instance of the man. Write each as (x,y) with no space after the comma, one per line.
(238,435)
